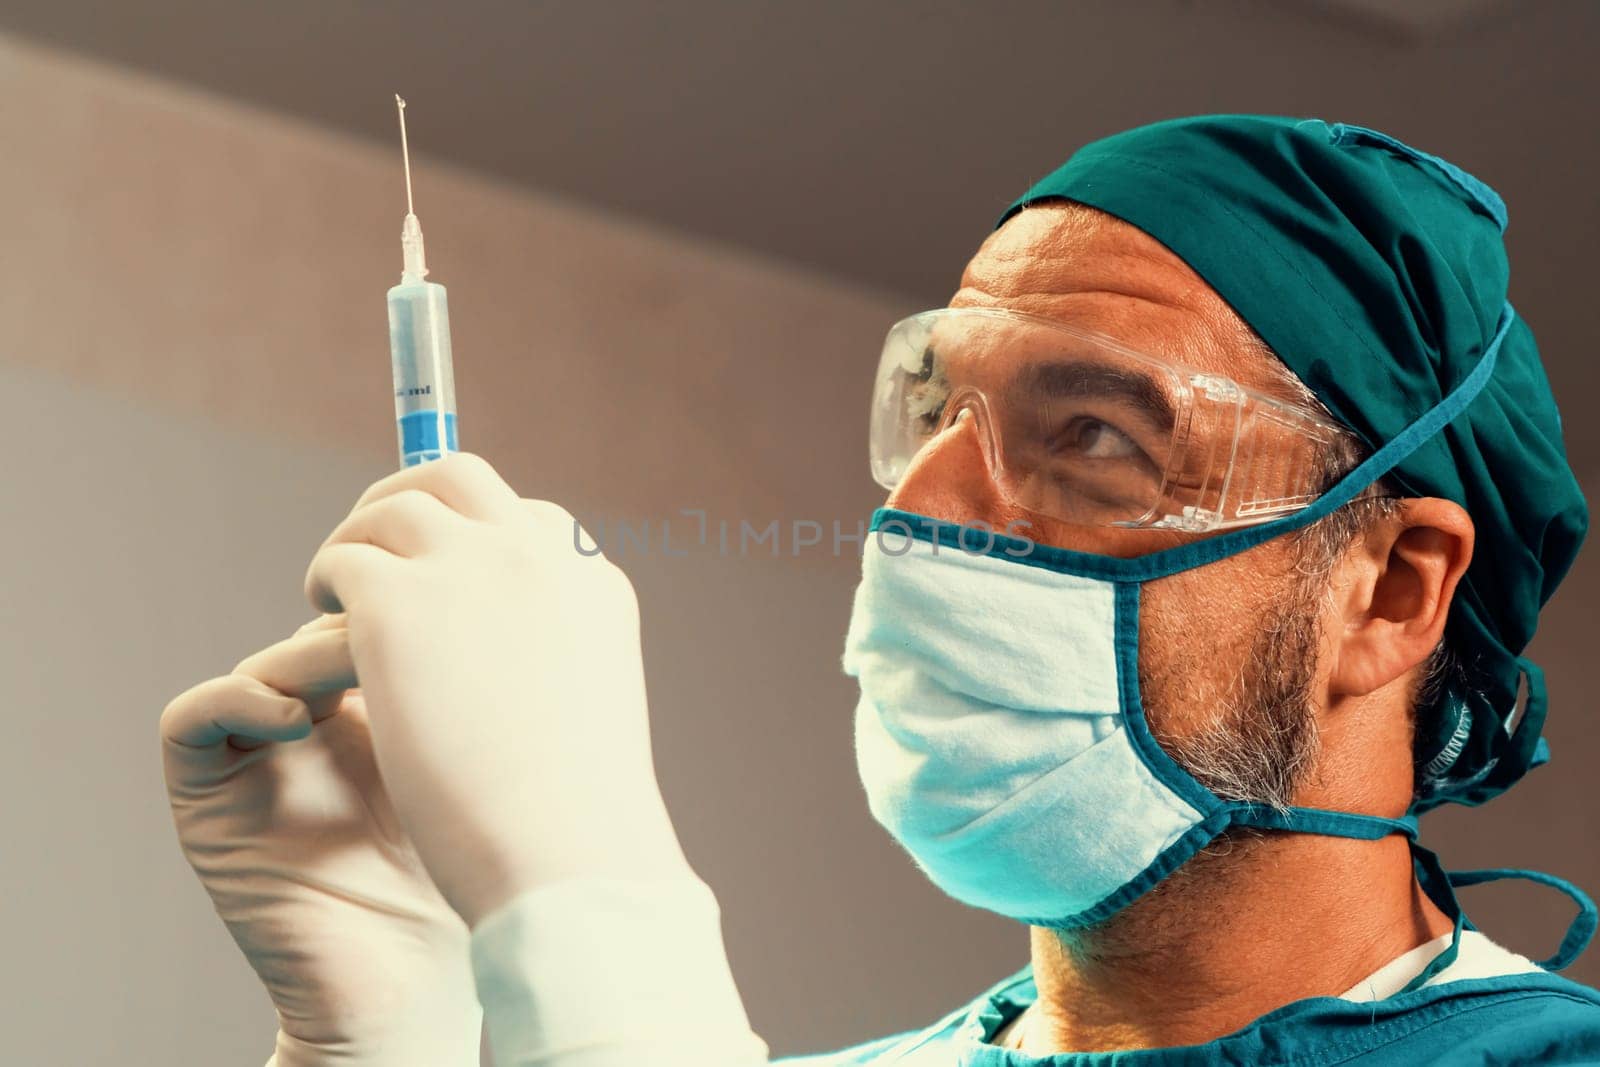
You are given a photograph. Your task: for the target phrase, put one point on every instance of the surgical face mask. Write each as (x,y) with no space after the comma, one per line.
(1000,734)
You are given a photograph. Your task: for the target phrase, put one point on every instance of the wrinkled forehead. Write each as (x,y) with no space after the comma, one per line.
(1080,266)
(1030,358)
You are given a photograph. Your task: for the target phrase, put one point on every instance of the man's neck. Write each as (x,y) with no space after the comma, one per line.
(1247,927)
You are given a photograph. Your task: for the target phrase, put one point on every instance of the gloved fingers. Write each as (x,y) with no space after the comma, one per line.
(407,523)
(337,621)
(340,573)
(326,706)
(233,706)
(463,481)
(313,665)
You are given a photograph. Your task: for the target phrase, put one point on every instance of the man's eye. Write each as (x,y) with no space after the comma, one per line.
(1093,439)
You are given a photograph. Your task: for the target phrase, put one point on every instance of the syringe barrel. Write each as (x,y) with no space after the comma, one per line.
(424,380)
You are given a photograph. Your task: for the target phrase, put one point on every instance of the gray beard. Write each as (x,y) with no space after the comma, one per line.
(1259,747)
(1263,741)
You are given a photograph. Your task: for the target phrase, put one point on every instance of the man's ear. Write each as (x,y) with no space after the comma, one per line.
(1394,589)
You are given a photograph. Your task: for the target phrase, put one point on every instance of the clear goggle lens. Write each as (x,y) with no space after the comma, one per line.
(1077,427)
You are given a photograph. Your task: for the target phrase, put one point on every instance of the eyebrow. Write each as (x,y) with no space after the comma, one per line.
(1082,379)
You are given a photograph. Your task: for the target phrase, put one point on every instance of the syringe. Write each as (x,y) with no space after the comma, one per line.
(419,344)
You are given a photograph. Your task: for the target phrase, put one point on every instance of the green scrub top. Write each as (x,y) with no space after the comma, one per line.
(1532,1018)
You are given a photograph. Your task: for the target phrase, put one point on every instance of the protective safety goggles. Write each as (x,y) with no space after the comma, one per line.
(1078,427)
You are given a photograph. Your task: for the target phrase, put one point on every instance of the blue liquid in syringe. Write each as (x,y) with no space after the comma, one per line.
(424,381)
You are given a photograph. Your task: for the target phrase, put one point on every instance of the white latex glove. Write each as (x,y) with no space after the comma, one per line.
(280,810)
(503,670)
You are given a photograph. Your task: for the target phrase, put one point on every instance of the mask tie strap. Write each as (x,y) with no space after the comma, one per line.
(1435,882)
(1438,883)
(1321,821)
(1582,928)
(1208,550)
(1431,875)
(1386,458)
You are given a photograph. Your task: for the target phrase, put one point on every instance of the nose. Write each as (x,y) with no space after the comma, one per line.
(949,479)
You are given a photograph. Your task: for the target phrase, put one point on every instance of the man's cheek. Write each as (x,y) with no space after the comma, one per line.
(1194,640)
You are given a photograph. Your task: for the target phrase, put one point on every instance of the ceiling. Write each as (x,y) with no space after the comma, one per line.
(875,140)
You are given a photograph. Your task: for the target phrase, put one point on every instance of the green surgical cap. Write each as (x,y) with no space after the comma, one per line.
(1378,273)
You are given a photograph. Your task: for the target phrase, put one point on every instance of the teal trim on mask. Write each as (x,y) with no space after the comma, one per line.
(1125,640)
(1169,860)
(1215,813)
(1218,815)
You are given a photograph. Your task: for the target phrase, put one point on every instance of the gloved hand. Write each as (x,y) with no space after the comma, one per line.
(280,810)
(502,666)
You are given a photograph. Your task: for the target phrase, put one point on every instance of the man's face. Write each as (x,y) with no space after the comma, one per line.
(1229,652)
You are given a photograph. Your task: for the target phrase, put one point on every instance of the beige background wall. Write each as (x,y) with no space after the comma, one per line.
(193,361)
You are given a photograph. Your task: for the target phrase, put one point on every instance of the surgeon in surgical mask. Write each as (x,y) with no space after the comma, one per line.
(1223,500)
